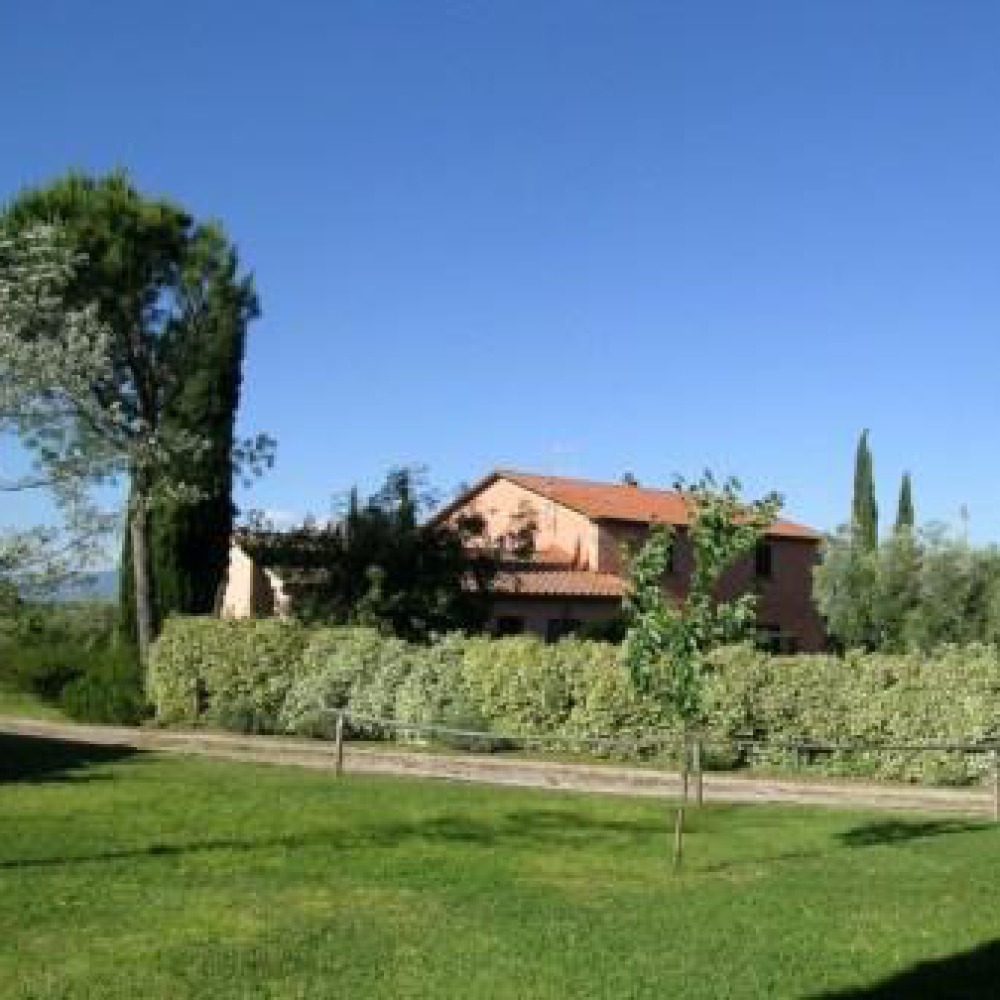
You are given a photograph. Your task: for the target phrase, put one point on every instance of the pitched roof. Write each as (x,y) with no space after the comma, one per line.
(548,582)
(612,501)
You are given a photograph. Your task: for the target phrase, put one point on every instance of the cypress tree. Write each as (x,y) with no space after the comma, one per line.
(905,517)
(864,511)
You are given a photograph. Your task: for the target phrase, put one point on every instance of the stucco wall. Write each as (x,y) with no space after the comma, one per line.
(786,596)
(557,525)
(250,591)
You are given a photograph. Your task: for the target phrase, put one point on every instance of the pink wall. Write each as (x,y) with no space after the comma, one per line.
(557,525)
(786,596)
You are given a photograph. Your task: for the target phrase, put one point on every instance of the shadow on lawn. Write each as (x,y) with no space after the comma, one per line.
(902,831)
(524,828)
(39,758)
(969,975)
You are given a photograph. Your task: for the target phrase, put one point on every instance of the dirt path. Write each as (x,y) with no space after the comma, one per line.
(607,779)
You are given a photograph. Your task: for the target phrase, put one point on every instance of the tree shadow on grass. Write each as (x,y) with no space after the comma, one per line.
(902,831)
(879,833)
(969,975)
(529,829)
(40,758)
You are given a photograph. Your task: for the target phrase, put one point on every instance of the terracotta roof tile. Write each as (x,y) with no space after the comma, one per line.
(620,502)
(558,583)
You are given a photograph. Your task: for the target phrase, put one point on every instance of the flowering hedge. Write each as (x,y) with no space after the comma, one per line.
(281,676)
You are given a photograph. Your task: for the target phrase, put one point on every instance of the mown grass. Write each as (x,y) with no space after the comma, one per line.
(16,702)
(128,875)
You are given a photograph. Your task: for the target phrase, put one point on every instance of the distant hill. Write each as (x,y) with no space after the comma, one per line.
(102,586)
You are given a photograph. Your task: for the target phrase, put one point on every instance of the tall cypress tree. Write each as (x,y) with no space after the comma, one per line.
(905,516)
(864,511)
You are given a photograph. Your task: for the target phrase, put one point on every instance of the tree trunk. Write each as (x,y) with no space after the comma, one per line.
(685,766)
(679,836)
(139,533)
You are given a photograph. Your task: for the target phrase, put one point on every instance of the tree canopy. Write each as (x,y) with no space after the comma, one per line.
(128,299)
(382,564)
(667,639)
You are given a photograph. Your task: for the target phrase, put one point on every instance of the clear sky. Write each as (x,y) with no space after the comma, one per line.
(576,237)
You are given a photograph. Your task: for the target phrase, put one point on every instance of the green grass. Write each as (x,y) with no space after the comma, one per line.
(14,702)
(126,875)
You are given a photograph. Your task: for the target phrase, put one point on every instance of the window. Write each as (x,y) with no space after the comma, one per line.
(508,625)
(764,560)
(559,627)
(771,639)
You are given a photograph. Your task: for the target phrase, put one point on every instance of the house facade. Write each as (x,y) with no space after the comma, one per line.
(576,575)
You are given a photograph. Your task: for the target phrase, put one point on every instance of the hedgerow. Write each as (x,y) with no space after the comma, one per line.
(281,676)
(237,674)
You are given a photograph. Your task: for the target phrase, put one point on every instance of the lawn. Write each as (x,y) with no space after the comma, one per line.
(15,702)
(126,875)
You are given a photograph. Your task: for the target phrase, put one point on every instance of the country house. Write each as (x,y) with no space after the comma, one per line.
(575,575)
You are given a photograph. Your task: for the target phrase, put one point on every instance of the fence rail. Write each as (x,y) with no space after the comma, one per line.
(690,748)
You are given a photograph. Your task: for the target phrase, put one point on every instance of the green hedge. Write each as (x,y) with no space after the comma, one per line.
(96,683)
(236,674)
(280,676)
(952,695)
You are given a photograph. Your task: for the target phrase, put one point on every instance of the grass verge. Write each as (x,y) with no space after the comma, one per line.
(125,874)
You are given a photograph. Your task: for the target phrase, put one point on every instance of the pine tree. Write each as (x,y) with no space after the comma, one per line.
(905,517)
(190,542)
(864,512)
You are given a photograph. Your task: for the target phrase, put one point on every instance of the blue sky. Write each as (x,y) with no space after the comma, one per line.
(572,236)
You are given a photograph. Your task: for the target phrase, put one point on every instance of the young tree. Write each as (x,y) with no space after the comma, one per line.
(668,640)
(864,509)
(130,265)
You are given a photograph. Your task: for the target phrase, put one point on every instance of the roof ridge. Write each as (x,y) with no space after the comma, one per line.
(582,480)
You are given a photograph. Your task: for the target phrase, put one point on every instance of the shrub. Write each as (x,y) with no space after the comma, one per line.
(266,675)
(519,683)
(109,690)
(948,696)
(91,683)
(42,670)
(221,671)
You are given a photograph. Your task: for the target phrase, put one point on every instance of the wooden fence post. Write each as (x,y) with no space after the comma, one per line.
(699,784)
(996,785)
(338,766)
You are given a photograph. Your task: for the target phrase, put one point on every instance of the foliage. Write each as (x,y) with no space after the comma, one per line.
(34,268)
(69,655)
(109,690)
(915,590)
(668,638)
(298,676)
(189,542)
(906,518)
(94,344)
(379,566)
(279,676)
(864,509)
(950,696)
(218,671)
